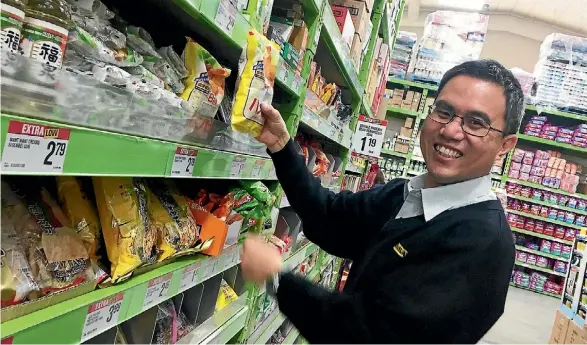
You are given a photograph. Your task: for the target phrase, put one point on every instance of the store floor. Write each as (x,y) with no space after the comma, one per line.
(527,319)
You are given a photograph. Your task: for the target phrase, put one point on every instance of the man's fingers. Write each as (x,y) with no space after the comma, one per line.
(269,112)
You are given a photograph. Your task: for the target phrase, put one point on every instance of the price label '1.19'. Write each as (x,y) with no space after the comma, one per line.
(31,147)
(157,291)
(189,276)
(368,137)
(101,316)
(184,161)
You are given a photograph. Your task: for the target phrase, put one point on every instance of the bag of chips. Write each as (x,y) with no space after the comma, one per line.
(168,212)
(243,200)
(55,253)
(226,295)
(254,85)
(80,212)
(259,191)
(128,233)
(204,85)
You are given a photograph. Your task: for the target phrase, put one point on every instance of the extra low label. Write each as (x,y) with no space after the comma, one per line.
(184,161)
(157,291)
(189,276)
(32,147)
(101,316)
(237,166)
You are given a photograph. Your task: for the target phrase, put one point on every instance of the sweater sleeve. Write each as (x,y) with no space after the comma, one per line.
(455,300)
(340,223)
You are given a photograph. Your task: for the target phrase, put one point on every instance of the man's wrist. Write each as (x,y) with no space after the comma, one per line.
(279,145)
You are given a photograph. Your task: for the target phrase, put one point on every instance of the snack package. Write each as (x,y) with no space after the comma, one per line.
(226,295)
(17,280)
(128,233)
(204,84)
(243,201)
(80,212)
(56,254)
(168,211)
(257,69)
(259,191)
(165,324)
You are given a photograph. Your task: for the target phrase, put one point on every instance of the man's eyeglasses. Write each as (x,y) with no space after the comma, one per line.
(470,124)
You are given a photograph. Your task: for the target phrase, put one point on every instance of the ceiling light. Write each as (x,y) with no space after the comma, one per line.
(473,5)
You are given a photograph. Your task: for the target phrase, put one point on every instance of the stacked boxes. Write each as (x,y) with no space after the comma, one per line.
(402,53)
(538,126)
(287,28)
(345,24)
(360,12)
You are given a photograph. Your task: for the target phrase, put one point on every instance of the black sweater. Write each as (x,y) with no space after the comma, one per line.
(441,281)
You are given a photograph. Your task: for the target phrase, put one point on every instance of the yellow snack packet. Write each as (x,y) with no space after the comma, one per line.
(168,211)
(204,85)
(254,85)
(80,212)
(128,234)
(226,295)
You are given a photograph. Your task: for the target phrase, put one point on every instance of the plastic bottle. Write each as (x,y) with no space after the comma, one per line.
(11,23)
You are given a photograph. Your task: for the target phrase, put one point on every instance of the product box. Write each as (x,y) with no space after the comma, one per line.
(345,23)
(397,98)
(407,101)
(290,55)
(406,132)
(401,148)
(369,5)
(575,334)
(359,15)
(416,101)
(559,328)
(222,235)
(356,51)
(409,122)
(299,37)
(280,29)
(382,111)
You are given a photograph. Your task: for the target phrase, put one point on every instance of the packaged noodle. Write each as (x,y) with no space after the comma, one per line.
(226,295)
(128,233)
(204,85)
(168,212)
(17,281)
(259,191)
(80,212)
(55,252)
(257,68)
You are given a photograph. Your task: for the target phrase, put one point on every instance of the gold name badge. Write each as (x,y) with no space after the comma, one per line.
(400,250)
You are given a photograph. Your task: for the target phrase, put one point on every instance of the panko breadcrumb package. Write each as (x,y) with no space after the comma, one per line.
(254,85)
(129,235)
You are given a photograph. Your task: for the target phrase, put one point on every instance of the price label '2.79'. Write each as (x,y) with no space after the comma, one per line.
(31,147)
(157,291)
(184,161)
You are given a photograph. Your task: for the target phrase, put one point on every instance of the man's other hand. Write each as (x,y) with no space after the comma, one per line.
(274,133)
(259,260)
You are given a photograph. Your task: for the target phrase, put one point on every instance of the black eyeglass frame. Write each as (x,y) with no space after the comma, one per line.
(433,106)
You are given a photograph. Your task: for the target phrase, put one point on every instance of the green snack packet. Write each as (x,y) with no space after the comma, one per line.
(243,201)
(259,191)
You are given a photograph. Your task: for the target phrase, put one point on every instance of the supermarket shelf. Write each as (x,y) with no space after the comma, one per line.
(406,112)
(539,186)
(291,336)
(553,221)
(541,269)
(393,153)
(415,173)
(340,51)
(546,237)
(558,113)
(540,292)
(537,252)
(544,203)
(71,314)
(565,148)
(331,131)
(266,329)
(366,108)
(97,152)
(496,177)
(417,159)
(289,80)
(412,83)
(353,168)
(221,326)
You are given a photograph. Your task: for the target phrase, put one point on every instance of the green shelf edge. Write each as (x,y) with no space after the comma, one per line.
(393,153)
(412,83)
(566,148)
(407,112)
(536,291)
(291,336)
(539,186)
(544,203)
(537,252)
(540,269)
(558,113)
(94,152)
(535,234)
(544,219)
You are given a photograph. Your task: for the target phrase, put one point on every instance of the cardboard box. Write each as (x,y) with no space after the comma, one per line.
(559,328)
(290,55)
(369,5)
(397,98)
(407,101)
(359,15)
(406,132)
(356,50)
(382,111)
(416,101)
(401,148)
(575,334)
(409,122)
(345,23)
(212,228)
(299,37)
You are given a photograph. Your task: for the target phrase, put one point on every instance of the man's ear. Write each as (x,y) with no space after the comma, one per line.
(508,143)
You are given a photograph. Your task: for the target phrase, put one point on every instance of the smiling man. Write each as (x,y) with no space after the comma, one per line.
(433,255)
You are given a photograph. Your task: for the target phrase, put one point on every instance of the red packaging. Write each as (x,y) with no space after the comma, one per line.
(549,229)
(539,228)
(559,232)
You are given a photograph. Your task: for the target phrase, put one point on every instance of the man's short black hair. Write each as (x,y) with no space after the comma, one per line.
(494,72)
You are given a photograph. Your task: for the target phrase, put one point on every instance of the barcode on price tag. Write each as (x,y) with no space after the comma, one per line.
(184,161)
(238,166)
(157,291)
(189,276)
(226,16)
(208,269)
(101,316)
(257,168)
(32,147)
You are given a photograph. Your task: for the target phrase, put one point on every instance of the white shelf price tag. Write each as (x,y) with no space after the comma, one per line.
(184,161)
(257,168)
(272,175)
(368,137)
(157,290)
(232,256)
(101,316)
(189,276)
(208,269)
(296,83)
(32,147)
(226,16)
(283,72)
(238,166)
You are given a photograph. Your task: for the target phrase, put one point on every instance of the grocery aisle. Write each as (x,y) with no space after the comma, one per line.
(527,319)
